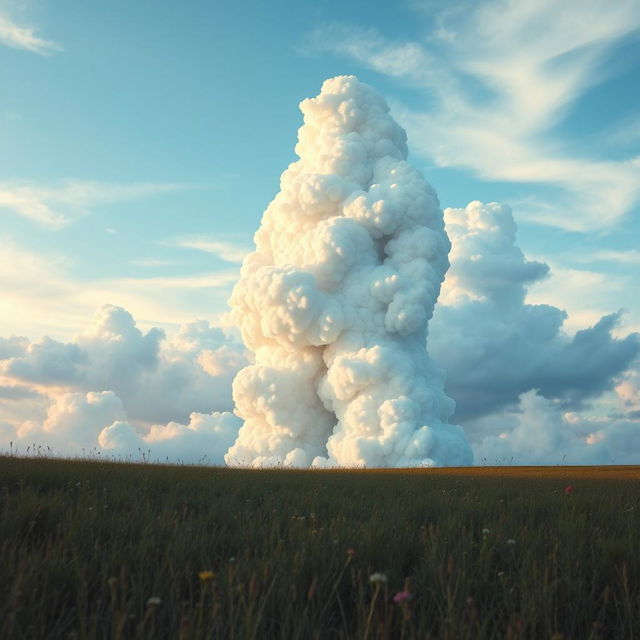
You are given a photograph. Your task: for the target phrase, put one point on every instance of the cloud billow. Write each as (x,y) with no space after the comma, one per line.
(493,345)
(158,380)
(336,298)
(334,303)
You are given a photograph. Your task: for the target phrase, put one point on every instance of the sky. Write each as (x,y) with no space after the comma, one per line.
(142,141)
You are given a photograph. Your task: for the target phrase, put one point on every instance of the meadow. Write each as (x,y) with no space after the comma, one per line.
(93,549)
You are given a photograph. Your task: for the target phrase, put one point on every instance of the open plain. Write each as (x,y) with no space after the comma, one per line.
(94,549)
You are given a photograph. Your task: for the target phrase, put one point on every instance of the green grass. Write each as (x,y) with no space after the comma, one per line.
(85,544)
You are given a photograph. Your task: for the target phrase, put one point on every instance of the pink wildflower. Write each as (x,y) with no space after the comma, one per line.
(568,489)
(402,596)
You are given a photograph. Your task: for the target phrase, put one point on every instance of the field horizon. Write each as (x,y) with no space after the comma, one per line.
(101,549)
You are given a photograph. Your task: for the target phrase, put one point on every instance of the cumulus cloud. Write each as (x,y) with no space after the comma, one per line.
(95,424)
(537,432)
(335,303)
(72,423)
(157,379)
(336,298)
(493,345)
(205,439)
(118,391)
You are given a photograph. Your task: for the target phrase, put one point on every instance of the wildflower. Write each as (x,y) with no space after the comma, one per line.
(351,552)
(568,489)
(206,576)
(511,541)
(485,532)
(154,601)
(402,596)
(377,577)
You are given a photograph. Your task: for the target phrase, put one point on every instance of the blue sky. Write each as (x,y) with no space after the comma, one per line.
(142,141)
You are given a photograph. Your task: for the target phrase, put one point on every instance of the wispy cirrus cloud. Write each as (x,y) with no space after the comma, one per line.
(499,77)
(622,257)
(56,206)
(224,249)
(43,294)
(21,37)
(628,257)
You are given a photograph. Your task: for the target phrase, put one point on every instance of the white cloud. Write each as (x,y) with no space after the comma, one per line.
(531,61)
(495,344)
(225,250)
(57,206)
(116,389)
(95,423)
(336,298)
(630,257)
(537,432)
(20,37)
(204,439)
(158,380)
(153,262)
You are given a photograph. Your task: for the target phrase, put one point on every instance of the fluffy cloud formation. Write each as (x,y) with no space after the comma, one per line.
(538,433)
(117,390)
(493,345)
(121,391)
(70,424)
(205,439)
(95,424)
(336,298)
(158,380)
(335,303)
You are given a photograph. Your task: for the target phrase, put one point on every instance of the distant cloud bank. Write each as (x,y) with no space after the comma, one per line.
(525,390)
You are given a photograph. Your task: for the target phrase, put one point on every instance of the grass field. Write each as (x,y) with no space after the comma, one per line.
(105,550)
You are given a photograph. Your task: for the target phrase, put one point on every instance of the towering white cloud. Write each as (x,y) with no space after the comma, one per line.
(336,298)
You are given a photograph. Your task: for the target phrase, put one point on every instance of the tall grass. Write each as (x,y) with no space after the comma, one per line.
(91,549)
